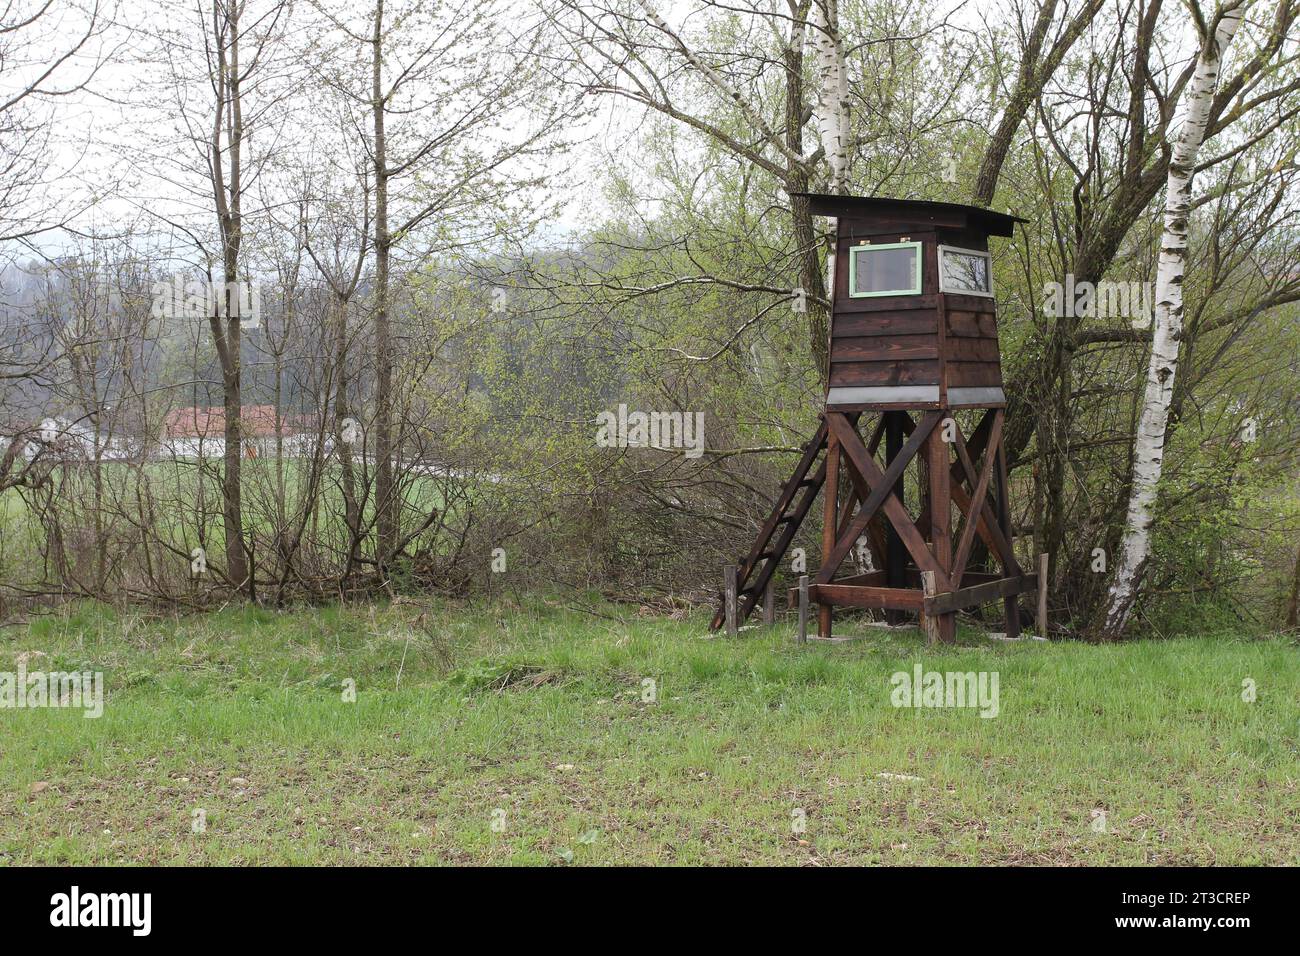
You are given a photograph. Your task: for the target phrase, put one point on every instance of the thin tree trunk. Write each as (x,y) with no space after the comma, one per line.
(1148,446)
(833,129)
(1054,442)
(385,502)
(342,411)
(227,195)
(805,234)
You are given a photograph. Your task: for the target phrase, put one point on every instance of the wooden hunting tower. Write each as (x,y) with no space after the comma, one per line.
(913,339)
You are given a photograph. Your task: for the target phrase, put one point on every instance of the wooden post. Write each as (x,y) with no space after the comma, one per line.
(930,621)
(1010,605)
(830,522)
(802,636)
(769,602)
(1043,561)
(729,584)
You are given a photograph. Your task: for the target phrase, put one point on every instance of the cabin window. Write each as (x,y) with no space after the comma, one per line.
(965,271)
(887,268)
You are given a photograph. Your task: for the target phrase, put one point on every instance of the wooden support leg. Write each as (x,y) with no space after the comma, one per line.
(830,523)
(895,553)
(941,522)
(769,603)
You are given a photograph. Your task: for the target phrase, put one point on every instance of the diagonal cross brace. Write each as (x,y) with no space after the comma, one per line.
(881,496)
(987,526)
(982,513)
(977,501)
(860,492)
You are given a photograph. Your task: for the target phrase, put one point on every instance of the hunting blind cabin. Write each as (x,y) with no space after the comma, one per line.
(913,339)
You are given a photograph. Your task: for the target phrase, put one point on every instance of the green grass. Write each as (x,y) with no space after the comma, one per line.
(537,711)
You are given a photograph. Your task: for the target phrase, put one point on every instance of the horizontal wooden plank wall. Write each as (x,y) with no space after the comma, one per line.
(970,349)
(867,348)
(944,339)
(902,372)
(915,322)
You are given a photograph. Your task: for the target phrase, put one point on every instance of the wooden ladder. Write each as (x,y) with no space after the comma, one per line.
(777,531)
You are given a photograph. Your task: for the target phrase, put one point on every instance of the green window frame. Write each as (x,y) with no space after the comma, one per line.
(880,246)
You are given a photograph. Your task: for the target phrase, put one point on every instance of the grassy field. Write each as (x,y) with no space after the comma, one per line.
(523,734)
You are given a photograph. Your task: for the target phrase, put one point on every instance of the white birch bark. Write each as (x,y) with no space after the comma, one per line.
(832,108)
(1148,444)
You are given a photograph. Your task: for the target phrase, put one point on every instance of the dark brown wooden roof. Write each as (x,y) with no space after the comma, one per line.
(919,211)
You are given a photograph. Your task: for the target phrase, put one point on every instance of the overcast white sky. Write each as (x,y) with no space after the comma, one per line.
(99,129)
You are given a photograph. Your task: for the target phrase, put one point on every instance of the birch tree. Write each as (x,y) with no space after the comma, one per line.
(1148,445)
(832,108)
(1099,143)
